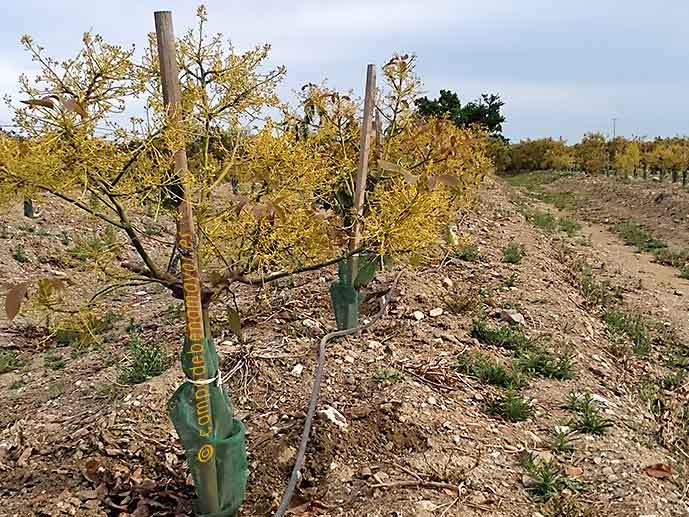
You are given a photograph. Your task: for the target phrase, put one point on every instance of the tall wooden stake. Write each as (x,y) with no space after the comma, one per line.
(362,169)
(169,79)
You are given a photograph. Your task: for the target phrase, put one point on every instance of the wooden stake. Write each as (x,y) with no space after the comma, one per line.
(362,170)
(186,241)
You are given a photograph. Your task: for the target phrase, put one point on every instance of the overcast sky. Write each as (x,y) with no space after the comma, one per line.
(563,68)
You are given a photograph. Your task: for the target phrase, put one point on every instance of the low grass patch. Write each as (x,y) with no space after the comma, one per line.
(561,200)
(588,418)
(548,222)
(19,254)
(568,225)
(144,360)
(84,329)
(636,235)
(547,481)
(510,281)
(544,220)
(464,302)
(469,253)
(563,439)
(529,356)
(674,258)
(511,406)
(594,291)
(513,253)
(673,380)
(620,323)
(54,361)
(490,371)
(8,361)
(503,336)
(537,360)
(91,248)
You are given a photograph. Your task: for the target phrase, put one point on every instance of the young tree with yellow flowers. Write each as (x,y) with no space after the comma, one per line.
(268,201)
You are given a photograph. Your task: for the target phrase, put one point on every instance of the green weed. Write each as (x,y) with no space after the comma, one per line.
(388,376)
(513,253)
(490,371)
(673,380)
(594,291)
(648,391)
(537,360)
(674,258)
(144,360)
(8,361)
(547,479)
(174,311)
(511,406)
(631,325)
(510,281)
(18,384)
(90,248)
(562,200)
(634,234)
(568,225)
(19,254)
(502,336)
(563,439)
(588,417)
(464,302)
(469,254)
(54,361)
(544,220)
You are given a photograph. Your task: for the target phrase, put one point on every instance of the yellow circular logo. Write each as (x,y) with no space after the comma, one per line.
(205,453)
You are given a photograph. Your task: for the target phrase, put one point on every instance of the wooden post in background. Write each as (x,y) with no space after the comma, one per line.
(186,241)
(362,169)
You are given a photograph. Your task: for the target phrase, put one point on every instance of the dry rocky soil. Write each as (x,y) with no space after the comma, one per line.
(551,383)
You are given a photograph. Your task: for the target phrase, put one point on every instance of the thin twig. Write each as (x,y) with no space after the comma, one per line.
(422,484)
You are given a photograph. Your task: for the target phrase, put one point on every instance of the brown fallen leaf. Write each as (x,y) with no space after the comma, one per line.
(574,472)
(659,470)
(13,299)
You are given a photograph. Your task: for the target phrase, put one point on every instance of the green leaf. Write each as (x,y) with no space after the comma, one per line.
(235,322)
(367,267)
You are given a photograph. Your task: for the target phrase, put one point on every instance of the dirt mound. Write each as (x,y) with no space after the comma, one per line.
(423,436)
(662,207)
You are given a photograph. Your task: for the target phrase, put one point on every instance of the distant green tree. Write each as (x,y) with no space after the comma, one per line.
(484,111)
